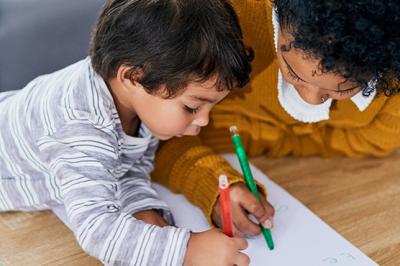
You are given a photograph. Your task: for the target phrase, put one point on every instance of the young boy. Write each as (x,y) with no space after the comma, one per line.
(85,136)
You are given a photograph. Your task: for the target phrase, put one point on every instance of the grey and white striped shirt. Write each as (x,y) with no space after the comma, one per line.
(62,143)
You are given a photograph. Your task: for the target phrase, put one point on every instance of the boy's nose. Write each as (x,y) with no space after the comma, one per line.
(201,121)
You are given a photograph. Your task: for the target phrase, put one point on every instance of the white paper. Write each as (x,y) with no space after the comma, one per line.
(300,237)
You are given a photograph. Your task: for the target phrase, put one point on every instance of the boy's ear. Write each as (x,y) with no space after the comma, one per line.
(130,76)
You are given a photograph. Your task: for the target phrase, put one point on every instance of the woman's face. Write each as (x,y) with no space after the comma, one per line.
(304,74)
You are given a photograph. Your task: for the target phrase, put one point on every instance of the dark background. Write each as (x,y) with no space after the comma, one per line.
(40,36)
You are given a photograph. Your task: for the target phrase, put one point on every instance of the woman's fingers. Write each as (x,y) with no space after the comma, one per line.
(242,223)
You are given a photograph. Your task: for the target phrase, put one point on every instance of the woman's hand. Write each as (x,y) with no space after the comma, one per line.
(243,203)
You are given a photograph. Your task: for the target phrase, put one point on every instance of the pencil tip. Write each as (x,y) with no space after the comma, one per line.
(233,130)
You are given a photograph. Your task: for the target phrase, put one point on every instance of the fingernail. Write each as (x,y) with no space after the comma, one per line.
(268,224)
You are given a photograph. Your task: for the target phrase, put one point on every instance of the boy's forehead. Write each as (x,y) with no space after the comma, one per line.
(202,98)
(204,93)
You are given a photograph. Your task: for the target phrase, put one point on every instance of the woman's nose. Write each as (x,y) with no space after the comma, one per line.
(312,96)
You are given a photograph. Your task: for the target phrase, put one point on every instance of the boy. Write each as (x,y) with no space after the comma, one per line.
(85,136)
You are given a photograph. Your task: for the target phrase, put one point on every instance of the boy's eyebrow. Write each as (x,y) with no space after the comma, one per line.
(203,99)
(291,69)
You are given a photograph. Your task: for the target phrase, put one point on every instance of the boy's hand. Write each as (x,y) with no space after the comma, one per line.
(151,217)
(213,248)
(243,202)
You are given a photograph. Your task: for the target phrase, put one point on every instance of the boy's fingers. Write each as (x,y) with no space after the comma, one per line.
(241,243)
(242,259)
(244,224)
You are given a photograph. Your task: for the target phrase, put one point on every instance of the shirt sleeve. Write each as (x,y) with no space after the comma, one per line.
(136,193)
(97,208)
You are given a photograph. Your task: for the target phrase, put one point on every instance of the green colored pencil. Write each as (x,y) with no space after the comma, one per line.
(249,179)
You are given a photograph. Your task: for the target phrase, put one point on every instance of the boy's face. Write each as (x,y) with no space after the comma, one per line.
(183,115)
(304,74)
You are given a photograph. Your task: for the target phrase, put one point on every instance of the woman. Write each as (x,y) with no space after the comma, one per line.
(324,82)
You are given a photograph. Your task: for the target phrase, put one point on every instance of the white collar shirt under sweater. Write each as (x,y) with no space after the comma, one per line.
(61,142)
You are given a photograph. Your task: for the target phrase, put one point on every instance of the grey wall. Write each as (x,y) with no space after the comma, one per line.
(41,36)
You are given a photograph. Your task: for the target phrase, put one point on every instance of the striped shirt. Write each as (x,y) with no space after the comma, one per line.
(62,143)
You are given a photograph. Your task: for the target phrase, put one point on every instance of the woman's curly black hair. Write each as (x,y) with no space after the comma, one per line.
(356,39)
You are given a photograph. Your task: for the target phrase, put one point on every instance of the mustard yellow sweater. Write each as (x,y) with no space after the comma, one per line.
(192,165)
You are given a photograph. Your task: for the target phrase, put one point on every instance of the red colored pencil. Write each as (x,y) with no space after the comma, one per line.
(225,203)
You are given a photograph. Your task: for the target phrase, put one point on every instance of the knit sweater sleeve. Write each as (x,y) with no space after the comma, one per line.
(377,136)
(380,137)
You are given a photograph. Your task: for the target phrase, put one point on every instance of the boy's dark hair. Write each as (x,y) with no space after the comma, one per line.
(173,42)
(357,39)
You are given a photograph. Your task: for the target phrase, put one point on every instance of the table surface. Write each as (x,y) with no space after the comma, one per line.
(358,198)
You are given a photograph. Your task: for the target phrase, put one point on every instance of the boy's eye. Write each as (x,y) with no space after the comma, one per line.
(191,110)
